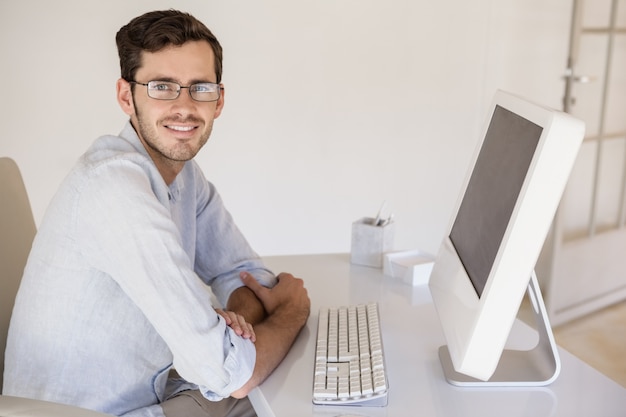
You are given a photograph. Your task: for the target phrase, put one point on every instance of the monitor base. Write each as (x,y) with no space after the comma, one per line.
(539,366)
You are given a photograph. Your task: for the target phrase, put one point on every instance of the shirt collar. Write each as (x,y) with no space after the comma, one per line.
(130,134)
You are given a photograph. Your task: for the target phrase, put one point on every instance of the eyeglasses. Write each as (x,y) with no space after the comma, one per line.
(168,90)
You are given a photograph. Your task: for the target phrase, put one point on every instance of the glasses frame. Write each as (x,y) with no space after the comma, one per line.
(180,87)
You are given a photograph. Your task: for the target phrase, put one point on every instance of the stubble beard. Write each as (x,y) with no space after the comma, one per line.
(181,152)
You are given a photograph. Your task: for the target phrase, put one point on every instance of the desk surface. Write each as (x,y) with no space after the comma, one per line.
(411,337)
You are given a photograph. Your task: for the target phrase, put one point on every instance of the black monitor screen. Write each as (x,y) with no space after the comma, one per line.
(492,192)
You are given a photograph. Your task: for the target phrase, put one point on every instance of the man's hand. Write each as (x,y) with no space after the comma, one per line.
(238,323)
(287,296)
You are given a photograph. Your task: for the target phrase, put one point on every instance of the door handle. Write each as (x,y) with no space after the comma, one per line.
(582,79)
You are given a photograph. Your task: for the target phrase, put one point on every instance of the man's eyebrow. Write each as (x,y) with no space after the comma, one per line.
(201,81)
(167,79)
(173,80)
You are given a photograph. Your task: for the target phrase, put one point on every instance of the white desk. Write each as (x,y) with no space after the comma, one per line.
(411,337)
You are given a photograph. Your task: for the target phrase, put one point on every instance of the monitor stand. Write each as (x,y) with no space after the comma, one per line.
(539,366)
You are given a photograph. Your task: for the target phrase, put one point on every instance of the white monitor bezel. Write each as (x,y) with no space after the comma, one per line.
(476,329)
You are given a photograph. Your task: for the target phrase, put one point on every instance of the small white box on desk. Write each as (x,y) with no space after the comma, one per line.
(413,267)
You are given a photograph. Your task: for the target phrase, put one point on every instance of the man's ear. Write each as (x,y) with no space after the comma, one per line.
(125,96)
(220,103)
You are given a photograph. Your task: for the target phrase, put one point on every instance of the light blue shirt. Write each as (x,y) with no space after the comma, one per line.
(115,290)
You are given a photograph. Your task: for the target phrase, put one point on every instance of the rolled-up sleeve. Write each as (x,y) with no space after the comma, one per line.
(222,251)
(239,360)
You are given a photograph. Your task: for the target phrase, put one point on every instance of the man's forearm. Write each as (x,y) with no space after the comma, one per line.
(274,337)
(244,302)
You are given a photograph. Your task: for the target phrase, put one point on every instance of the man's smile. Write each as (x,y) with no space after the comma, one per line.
(181,128)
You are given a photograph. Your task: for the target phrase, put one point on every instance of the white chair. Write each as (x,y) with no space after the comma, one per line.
(17,230)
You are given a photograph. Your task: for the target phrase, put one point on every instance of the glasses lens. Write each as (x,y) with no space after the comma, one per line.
(163,90)
(205,91)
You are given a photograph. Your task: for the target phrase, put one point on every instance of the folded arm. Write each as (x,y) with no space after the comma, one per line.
(278,315)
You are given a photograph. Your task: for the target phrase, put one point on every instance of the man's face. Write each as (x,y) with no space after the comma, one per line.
(173,131)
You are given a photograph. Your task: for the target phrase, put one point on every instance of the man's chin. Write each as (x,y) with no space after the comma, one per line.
(183,153)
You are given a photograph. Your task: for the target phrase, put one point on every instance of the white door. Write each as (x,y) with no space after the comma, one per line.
(584,263)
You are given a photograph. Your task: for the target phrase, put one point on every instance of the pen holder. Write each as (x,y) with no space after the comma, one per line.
(370,242)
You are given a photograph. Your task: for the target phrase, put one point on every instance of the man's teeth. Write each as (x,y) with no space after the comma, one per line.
(181,128)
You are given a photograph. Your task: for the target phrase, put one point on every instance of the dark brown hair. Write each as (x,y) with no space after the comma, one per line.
(156,30)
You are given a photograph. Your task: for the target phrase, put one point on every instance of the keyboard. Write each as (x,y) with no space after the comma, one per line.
(349,358)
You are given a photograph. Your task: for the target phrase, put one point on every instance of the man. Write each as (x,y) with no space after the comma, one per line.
(113,312)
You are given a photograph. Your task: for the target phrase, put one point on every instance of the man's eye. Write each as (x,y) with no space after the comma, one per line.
(203,88)
(162,87)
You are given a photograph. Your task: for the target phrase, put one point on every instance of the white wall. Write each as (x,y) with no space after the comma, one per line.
(332,106)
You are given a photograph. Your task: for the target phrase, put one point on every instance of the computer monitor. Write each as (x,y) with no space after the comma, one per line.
(504,212)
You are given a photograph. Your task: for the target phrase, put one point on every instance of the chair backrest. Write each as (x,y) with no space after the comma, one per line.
(17,230)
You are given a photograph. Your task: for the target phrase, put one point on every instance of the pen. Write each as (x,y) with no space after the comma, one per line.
(387,220)
(380,211)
